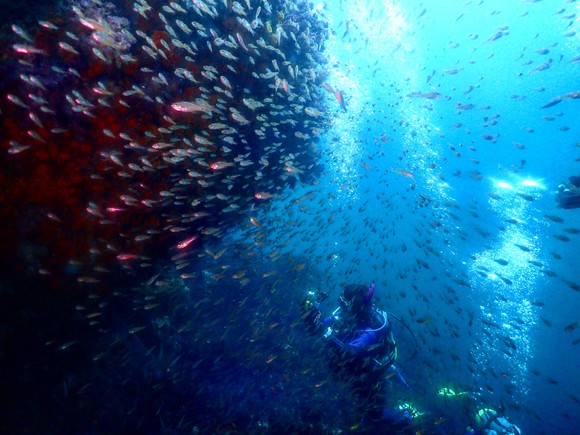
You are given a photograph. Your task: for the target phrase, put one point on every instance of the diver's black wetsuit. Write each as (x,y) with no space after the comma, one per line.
(362,352)
(362,359)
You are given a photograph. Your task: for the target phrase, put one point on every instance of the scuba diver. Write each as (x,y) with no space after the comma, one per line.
(486,421)
(363,352)
(489,422)
(568,196)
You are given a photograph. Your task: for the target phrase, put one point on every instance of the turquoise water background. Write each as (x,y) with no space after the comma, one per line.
(451,230)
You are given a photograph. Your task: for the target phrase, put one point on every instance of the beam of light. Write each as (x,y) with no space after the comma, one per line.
(504,185)
(509,284)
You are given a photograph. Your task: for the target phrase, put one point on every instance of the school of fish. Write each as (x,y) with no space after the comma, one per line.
(182,116)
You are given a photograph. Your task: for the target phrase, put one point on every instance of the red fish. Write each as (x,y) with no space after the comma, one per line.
(186,242)
(285,86)
(328,88)
(340,99)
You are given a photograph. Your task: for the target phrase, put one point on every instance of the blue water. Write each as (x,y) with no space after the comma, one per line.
(439,186)
(380,231)
(385,226)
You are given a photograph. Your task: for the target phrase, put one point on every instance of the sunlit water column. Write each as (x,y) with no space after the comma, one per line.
(390,46)
(390,41)
(341,157)
(378,35)
(341,149)
(504,280)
